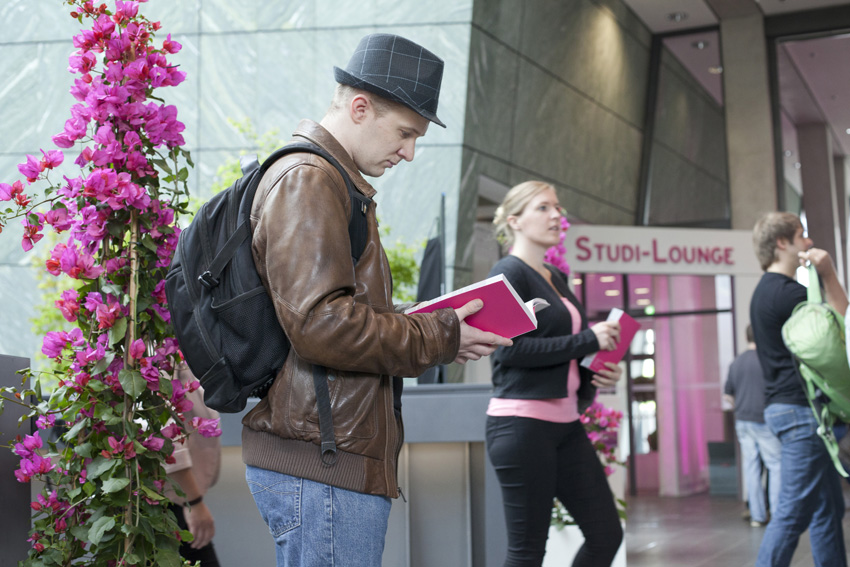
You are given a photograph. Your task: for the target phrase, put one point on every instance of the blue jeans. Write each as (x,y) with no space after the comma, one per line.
(317,525)
(760,449)
(810,493)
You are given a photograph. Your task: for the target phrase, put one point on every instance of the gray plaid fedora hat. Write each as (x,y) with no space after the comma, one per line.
(397,69)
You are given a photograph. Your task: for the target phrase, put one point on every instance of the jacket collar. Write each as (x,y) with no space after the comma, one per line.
(315,133)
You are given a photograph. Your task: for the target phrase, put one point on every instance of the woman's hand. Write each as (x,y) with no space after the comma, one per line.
(608,377)
(607,334)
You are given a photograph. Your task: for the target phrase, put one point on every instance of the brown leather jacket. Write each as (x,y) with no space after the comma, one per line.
(337,315)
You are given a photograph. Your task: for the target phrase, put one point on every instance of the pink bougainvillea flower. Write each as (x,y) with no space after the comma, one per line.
(52,158)
(107,313)
(153,443)
(45,421)
(69,304)
(207,427)
(33,466)
(28,446)
(32,168)
(137,349)
(171,430)
(53,343)
(32,234)
(53,263)
(171,46)
(78,263)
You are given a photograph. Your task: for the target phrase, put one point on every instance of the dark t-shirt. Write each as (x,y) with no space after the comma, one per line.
(773,300)
(746,384)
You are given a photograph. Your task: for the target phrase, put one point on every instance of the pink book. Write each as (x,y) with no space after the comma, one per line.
(504,312)
(628,328)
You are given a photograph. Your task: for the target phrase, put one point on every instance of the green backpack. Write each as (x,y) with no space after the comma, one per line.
(815,336)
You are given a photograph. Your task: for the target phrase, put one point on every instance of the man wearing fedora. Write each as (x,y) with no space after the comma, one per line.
(339,316)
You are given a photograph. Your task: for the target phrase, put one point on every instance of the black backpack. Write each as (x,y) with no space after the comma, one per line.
(223,317)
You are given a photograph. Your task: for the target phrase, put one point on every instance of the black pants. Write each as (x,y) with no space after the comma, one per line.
(538,460)
(206,555)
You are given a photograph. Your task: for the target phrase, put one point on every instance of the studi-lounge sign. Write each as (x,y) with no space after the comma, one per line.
(650,250)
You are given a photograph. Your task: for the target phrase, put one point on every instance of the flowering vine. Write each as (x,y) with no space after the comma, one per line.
(116,408)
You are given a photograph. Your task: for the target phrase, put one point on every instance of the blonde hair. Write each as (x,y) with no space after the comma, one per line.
(344,93)
(512,205)
(770,228)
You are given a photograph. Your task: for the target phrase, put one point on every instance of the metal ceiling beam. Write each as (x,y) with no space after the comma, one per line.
(728,9)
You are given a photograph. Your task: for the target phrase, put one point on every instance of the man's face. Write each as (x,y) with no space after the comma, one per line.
(388,138)
(801,241)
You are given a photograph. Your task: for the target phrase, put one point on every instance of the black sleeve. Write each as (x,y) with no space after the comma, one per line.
(533,350)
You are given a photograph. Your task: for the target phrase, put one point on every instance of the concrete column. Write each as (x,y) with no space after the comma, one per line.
(749,129)
(840,164)
(819,193)
(16,496)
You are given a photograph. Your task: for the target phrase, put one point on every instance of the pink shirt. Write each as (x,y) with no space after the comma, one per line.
(557,410)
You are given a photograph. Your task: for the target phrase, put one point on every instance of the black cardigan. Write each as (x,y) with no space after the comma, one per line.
(537,365)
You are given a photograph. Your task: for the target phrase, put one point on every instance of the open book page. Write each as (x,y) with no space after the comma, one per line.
(504,312)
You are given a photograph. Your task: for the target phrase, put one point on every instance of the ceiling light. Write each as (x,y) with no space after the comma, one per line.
(576,281)
(789,153)
(612,292)
(641,290)
(715,70)
(677,16)
(607,279)
(847,131)
(797,165)
(700,44)
(643,301)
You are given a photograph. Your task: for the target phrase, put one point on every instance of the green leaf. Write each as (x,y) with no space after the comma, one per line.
(169,558)
(113,289)
(80,532)
(165,387)
(103,363)
(99,466)
(84,450)
(71,434)
(89,488)
(116,229)
(148,243)
(152,494)
(99,528)
(115,484)
(132,382)
(183,174)
(118,330)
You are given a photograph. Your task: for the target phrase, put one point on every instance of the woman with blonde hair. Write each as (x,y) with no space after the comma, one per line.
(535,440)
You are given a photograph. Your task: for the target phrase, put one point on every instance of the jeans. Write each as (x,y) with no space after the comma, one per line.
(317,525)
(760,449)
(536,461)
(810,493)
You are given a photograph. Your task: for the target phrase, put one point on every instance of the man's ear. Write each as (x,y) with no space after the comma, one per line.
(782,243)
(360,108)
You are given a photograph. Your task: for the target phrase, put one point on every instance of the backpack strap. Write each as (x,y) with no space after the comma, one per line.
(357,235)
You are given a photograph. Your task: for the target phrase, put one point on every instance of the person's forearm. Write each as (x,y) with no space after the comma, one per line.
(186,480)
(834,293)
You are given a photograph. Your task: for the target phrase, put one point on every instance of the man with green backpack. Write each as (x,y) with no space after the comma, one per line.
(810,493)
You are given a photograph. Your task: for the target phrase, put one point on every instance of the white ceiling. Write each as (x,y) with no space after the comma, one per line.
(814,74)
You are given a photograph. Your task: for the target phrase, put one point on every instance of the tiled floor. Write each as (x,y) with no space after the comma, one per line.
(698,531)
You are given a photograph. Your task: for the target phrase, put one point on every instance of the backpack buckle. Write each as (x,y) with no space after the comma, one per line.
(207,280)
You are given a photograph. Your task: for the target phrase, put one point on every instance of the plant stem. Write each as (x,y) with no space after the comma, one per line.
(129,362)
